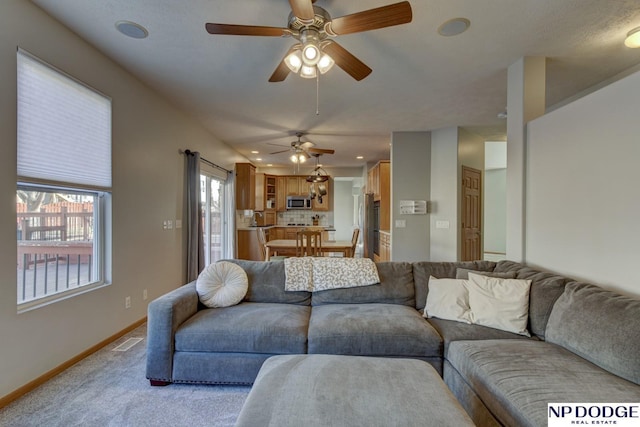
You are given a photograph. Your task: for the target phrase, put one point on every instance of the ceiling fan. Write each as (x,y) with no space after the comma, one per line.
(303,150)
(313,28)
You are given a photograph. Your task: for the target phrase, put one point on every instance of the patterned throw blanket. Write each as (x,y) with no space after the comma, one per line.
(318,274)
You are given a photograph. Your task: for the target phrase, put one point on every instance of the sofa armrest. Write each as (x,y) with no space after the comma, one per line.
(164,316)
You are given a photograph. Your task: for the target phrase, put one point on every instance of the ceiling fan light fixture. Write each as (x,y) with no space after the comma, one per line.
(294,61)
(308,72)
(298,158)
(633,38)
(310,54)
(325,63)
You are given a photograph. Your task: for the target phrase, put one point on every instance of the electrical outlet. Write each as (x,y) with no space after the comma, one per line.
(127,302)
(144,294)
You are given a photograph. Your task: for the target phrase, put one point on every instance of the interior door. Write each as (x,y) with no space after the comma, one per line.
(471,229)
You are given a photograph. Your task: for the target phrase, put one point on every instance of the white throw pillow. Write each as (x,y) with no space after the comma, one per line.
(222,284)
(499,303)
(448,299)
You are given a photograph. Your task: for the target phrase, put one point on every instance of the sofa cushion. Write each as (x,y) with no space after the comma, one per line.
(372,330)
(424,269)
(246,328)
(222,284)
(451,331)
(546,288)
(499,303)
(599,325)
(448,299)
(395,287)
(266,283)
(516,379)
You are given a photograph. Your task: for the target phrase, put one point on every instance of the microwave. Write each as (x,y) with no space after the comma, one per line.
(298,202)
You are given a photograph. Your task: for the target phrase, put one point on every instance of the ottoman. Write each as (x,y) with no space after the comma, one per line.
(349,391)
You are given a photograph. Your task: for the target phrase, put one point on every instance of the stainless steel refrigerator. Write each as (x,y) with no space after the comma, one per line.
(371,226)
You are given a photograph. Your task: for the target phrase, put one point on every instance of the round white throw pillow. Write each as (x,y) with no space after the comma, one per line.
(222,284)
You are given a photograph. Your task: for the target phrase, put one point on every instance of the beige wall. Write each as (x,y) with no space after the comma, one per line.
(582,188)
(148,180)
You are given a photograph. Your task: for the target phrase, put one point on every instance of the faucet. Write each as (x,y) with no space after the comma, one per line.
(254,221)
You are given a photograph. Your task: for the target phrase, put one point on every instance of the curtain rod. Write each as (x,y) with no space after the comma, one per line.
(190,153)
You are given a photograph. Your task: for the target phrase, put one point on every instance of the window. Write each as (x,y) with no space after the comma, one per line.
(64,183)
(212,201)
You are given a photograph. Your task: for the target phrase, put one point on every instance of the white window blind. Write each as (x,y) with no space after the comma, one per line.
(64,127)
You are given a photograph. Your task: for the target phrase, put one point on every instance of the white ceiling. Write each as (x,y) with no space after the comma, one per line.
(420,81)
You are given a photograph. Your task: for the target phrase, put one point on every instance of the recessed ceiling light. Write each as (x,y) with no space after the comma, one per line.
(269,164)
(254,152)
(453,27)
(360,157)
(633,38)
(131,29)
(259,159)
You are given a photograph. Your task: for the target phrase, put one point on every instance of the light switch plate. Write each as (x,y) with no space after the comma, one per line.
(401,223)
(442,224)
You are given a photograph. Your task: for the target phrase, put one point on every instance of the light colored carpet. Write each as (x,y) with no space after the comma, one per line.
(109,388)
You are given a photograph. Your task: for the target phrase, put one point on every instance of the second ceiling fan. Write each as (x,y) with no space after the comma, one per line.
(313,28)
(303,150)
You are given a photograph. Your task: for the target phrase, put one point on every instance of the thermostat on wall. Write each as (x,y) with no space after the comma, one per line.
(413,207)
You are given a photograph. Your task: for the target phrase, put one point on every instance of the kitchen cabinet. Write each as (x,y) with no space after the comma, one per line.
(270,193)
(269,218)
(295,186)
(260,192)
(291,185)
(276,233)
(385,246)
(281,194)
(379,183)
(266,193)
(290,233)
(379,180)
(248,245)
(245,186)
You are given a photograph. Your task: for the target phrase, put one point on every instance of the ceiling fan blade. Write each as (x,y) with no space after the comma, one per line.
(345,60)
(321,150)
(372,19)
(281,151)
(282,71)
(303,9)
(246,30)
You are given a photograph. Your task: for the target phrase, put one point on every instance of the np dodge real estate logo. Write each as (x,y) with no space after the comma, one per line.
(593,414)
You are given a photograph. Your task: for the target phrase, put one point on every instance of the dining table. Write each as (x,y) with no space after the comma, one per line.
(288,247)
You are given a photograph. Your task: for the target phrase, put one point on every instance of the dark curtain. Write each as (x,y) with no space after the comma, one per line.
(195,244)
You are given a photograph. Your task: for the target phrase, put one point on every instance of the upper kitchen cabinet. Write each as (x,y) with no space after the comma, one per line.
(281,194)
(295,186)
(266,193)
(379,183)
(245,186)
(378,180)
(270,193)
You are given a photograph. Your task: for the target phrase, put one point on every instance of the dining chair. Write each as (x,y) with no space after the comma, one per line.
(309,243)
(262,241)
(354,241)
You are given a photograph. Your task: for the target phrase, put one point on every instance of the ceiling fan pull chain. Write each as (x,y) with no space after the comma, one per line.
(318,94)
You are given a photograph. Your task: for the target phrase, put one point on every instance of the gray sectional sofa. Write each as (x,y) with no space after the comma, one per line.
(585,342)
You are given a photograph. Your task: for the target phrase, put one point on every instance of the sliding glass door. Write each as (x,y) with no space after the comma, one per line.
(214,217)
